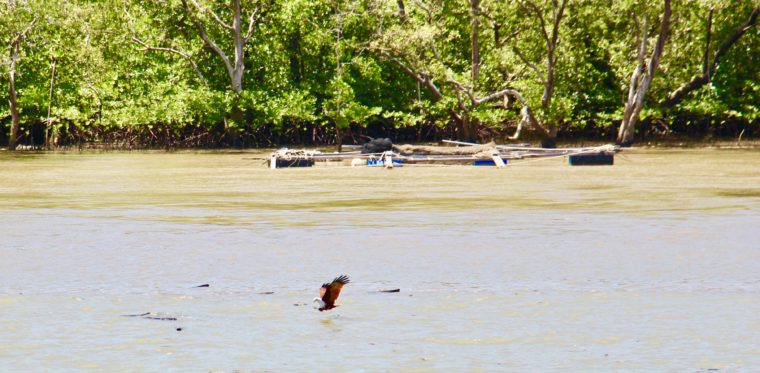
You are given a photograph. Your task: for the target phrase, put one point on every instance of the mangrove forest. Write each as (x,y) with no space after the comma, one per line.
(262,73)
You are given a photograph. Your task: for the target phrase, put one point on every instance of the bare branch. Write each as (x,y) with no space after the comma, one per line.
(23,33)
(640,67)
(533,66)
(216,17)
(700,80)
(641,79)
(420,77)
(426,9)
(187,57)
(460,88)
(539,14)
(708,37)
(207,40)
(641,56)
(500,94)
(435,50)
(506,40)
(638,28)
(460,102)
(751,22)
(527,118)
(252,21)
(423,78)
(474,41)
(401,10)
(660,45)
(557,18)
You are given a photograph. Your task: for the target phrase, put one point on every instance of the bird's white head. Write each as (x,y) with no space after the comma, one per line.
(319,303)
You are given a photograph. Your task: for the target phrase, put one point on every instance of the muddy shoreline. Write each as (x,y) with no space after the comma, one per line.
(655,143)
(679,133)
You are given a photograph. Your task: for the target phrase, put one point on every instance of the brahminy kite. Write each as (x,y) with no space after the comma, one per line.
(328,293)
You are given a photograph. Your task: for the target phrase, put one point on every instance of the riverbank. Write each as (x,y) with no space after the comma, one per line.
(652,133)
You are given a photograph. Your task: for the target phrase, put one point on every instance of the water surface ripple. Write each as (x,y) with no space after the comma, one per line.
(649,265)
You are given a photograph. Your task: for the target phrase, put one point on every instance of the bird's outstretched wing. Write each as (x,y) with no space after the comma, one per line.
(330,292)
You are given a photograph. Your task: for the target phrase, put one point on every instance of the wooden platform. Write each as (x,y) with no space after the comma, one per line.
(467,154)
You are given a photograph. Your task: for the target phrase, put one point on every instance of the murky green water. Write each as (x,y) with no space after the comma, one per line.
(649,265)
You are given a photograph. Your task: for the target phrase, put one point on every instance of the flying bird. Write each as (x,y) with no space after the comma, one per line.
(328,293)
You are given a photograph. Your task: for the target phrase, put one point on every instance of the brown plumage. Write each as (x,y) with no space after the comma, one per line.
(329,292)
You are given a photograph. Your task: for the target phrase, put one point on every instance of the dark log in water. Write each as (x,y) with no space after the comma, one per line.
(148,316)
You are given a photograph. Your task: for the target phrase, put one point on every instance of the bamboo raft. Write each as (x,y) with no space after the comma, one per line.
(462,154)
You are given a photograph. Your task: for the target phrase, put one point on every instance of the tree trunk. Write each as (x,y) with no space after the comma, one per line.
(469,124)
(237,72)
(401,10)
(625,133)
(549,129)
(641,78)
(546,98)
(469,128)
(50,107)
(338,138)
(547,77)
(12,140)
(474,9)
(235,68)
(295,57)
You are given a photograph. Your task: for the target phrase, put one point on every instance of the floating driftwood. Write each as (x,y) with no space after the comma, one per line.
(153,316)
(409,150)
(464,153)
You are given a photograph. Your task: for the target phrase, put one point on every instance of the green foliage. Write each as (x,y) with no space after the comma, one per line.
(330,63)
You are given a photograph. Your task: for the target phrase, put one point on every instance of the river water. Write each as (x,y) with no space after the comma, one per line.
(652,264)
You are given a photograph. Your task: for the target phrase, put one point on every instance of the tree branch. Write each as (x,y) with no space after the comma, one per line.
(23,33)
(252,21)
(640,68)
(642,79)
(533,66)
(458,87)
(527,117)
(460,102)
(206,39)
(530,6)
(493,96)
(751,22)
(500,43)
(708,39)
(699,80)
(427,10)
(420,77)
(474,41)
(401,10)
(187,58)
(502,93)
(556,21)
(660,45)
(216,17)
